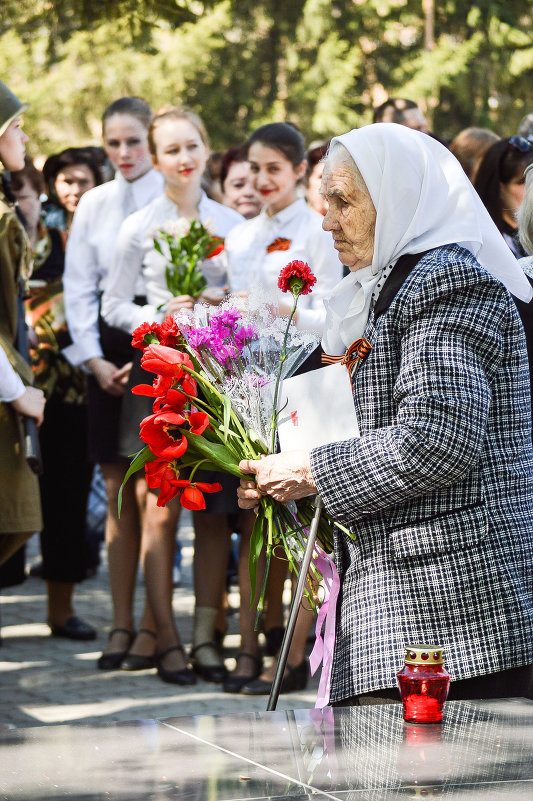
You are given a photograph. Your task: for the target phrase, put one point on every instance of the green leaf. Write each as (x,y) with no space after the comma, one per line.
(218,454)
(139,460)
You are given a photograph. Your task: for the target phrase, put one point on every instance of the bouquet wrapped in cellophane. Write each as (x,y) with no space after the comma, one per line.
(237,355)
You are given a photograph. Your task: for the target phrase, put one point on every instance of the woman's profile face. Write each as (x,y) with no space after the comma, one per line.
(71,183)
(314,198)
(512,195)
(126,145)
(351,216)
(274,177)
(13,146)
(239,193)
(29,202)
(180,152)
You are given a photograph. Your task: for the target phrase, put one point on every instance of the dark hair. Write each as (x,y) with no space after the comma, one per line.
(176,113)
(392,110)
(280,136)
(235,155)
(69,158)
(134,106)
(316,154)
(28,173)
(501,163)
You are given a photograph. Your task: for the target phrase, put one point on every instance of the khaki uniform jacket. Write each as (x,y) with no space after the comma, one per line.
(20,508)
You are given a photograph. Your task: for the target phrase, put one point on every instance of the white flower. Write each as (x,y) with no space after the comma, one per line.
(209,226)
(176,228)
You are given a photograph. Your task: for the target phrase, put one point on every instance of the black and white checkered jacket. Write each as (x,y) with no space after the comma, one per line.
(439,488)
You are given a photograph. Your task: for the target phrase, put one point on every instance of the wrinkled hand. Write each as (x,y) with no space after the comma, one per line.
(31,404)
(110,378)
(179,302)
(283,476)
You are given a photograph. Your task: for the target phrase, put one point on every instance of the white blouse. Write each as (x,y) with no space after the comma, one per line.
(11,386)
(136,258)
(90,246)
(256,260)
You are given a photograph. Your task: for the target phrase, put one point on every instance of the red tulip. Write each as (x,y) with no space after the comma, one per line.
(191,496)
(165,361)
(161,433)
(163,474)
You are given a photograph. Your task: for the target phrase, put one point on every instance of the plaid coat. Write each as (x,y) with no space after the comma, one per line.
(439,488)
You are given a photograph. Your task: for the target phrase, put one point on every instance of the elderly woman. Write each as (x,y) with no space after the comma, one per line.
(438,489)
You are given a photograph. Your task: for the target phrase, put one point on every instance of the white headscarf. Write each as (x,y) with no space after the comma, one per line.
(423,200)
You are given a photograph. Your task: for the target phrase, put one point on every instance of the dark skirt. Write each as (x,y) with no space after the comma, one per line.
(105,410)
(65,485)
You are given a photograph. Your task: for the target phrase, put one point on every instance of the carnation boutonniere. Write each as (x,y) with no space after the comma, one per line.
(185,245)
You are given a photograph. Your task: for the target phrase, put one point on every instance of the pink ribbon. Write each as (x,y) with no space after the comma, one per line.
(323,648)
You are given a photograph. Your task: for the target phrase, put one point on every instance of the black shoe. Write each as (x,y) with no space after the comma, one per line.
(295,678)
(74,629)
(274,638)
(215,673)
(233,683)
(113,660)
(140,661)
(185,676)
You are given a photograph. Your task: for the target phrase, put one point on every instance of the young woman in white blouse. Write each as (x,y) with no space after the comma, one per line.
(107,353)
(179,146)
(286,229)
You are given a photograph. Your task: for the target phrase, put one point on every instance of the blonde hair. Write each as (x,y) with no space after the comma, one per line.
(175,113)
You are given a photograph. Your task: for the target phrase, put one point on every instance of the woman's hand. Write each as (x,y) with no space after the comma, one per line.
(214,295)
(31,404)
(180,302)
(110,377)
(284,476)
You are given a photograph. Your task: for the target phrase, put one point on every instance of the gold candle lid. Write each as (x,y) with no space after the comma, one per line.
(424,655)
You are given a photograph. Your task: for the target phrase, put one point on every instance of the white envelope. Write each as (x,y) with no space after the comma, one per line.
(316,408)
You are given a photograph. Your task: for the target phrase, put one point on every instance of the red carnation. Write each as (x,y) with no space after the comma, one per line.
(146,334)
(170,332)
(296,278)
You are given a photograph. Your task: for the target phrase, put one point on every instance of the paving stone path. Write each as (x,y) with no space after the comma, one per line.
(47,680)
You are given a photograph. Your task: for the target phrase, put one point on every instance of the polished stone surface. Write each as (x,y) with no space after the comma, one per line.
(482,750)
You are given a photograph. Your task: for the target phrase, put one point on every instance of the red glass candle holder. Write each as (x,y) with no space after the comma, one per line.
(423,683)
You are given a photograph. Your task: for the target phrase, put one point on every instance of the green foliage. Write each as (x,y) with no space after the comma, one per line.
(323,65)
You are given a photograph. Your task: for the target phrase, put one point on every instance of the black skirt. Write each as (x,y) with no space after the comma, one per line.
(105,410)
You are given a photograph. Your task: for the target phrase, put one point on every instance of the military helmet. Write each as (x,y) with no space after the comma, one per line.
(10,107)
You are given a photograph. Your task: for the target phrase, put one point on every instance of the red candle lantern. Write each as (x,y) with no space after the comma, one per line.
(423,683)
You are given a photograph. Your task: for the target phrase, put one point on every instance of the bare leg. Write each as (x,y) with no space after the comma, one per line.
(211,551)
(249,641)
(157,555)
(297,651)
(59,602)
(123,537)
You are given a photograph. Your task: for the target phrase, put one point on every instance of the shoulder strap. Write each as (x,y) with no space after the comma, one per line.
(394,282)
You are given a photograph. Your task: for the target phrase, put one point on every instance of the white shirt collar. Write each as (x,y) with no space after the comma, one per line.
(287,214)
(149,184)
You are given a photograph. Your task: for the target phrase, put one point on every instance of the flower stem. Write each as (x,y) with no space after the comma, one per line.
(282,359)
